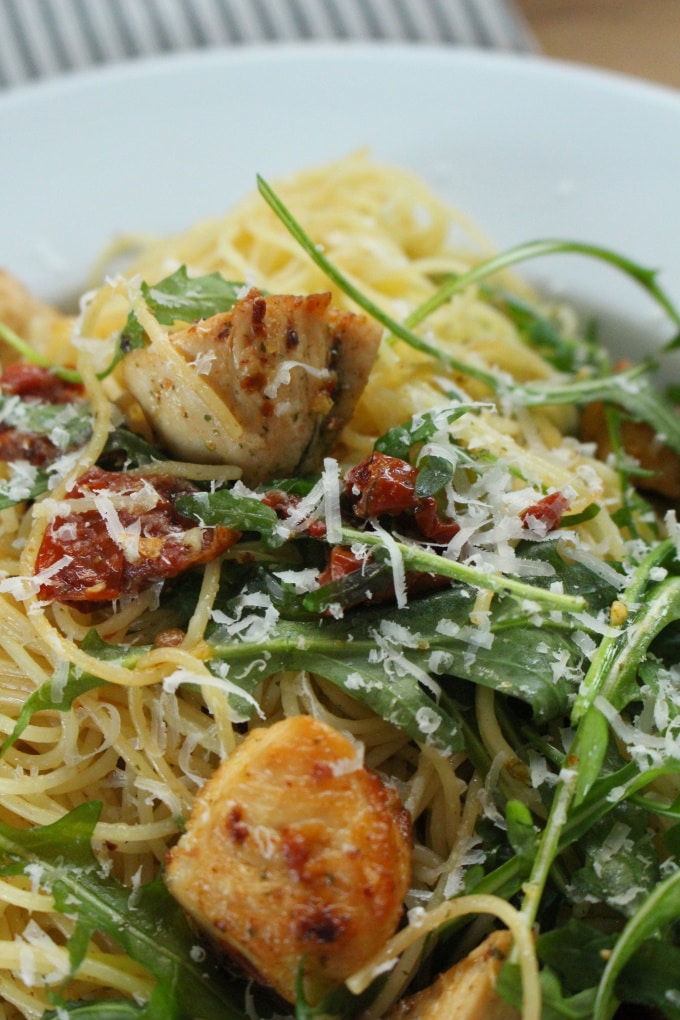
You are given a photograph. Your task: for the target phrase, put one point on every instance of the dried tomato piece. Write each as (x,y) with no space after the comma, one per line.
(547,513)
(33,384)
(283,503)
(38,383)
(131,538)
(30,446)
(341,562)
(381,484)
(430,524)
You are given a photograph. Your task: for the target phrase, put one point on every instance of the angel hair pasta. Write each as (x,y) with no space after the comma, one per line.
(339,589)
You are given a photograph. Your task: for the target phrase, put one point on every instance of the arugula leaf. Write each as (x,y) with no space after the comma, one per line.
(661,908)
(339,651)
(554,1004)
(356,587)
(385,657)
(73,421)
(434,474)
(576,952)
(67,426)
(244,513)
(646,978)
(150,927)
(182,298)
(26,482)
(136,449)
(621,863)
(567,354)
(401,440)
(177,298)
(46,698)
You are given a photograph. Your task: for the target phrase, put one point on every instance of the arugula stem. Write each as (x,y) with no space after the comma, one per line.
(610,670)
(548,845)
(21,347)
(347,287)
(416,558)
(537,249)
(628,388)
(614,651)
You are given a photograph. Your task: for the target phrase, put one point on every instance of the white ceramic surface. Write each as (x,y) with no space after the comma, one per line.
(528,147)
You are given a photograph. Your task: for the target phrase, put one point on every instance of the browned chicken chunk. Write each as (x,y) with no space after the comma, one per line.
(266,386)
(31,319)
(465,992)
(295,855)
(642,444)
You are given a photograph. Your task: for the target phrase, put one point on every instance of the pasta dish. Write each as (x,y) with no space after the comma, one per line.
(339,594)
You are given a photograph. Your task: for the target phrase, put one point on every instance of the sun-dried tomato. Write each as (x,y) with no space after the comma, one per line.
(38,383)
(341,562)
(284,503)
(547,513)
(381,484)
(29,446)
(431,526)
(155,543)
(33,383)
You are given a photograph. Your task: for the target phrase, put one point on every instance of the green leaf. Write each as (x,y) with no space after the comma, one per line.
(149,926)
(566,354)
(392,659)
(25,483)
(66,425)
(72,421)
(48,697)
(415,557)
(650,978)
(178,298)
(661,908)
(621,864)
(434,474)
(136,449)
(555,1005)
(576,952)
(243,513)
(356,587)
(613,671)
(184,298)
(588,514)
(402,440)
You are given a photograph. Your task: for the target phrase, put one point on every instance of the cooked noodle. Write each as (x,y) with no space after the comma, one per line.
(144,743)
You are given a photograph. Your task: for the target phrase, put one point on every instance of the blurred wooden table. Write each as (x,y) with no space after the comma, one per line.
(638,37)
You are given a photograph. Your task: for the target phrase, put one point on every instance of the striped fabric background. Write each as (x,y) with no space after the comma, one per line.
(39,38)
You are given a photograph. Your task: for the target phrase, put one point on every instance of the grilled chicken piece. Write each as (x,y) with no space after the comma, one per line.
(466,991)
(31,319)
(267,385)
(295,855)
(642,444)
